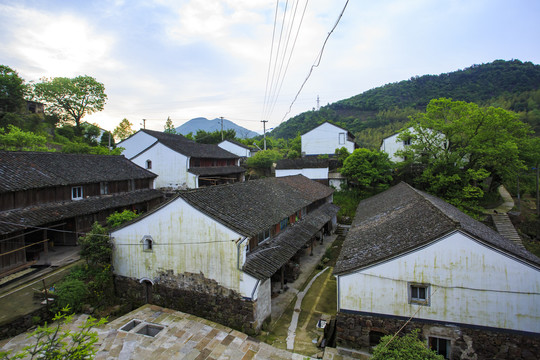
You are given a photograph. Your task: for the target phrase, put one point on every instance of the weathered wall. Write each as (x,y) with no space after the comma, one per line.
(193,294)
(470,283)
(263,308)
(24,323)
(310,173)
(466,343)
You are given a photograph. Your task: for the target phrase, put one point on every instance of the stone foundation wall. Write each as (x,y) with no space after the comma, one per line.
(353,330)
(193,294)
(24,323)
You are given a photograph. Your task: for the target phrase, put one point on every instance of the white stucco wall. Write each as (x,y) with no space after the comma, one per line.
(235,149)
(391,145)
(170,166)
(264,301)
(184,240)
(470,283)
(325,139)
(136,143)
(310,173)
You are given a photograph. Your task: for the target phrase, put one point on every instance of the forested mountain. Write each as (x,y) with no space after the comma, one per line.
(379,112)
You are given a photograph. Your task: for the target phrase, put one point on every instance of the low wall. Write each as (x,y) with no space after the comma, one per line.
(353,331)
(193,294)
(25,322)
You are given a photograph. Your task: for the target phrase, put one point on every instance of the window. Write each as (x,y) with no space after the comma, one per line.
(148,243)
(104,187)
(407,142)
(131,185)
(283,223)
(148,164)
(263,236)
(76,193)
(419,294)
(441,346)
(342,138)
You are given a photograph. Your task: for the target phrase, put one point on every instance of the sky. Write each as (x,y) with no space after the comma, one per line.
(191,58)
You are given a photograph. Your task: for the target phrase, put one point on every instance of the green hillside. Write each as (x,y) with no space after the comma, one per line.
(379,112)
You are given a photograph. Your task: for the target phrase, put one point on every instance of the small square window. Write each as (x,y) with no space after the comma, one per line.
(149,164)
(407,142)
(342,138)
(440,345)
(104,187)
(419,294)
(76,193)
(148,243)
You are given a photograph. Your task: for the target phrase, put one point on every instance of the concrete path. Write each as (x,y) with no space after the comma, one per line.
(502,222)
(291,333)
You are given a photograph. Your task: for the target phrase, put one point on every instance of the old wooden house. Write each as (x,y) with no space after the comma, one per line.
(411,260)
(50,198)
(181,163)
(215,251)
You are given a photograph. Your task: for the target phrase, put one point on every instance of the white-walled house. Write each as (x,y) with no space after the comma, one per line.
(213,251)
(312,168)
(325,139)
(392,144)
(236,148)
(181,163)
(469,290)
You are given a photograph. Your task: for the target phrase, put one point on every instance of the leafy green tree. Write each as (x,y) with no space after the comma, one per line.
(368,169)
(71,99)
(169,127)
(264,159)
(12,90)
(118,218)
(55,343)
(96,246)
(214,137)
(107,140)
(342,154)
(123,130)
(408,347)
(17,140)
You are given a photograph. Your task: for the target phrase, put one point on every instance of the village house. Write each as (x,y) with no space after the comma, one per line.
(237,148)
(50,198)
(325,139)
(219,252)
(310,167)
(411,259)
(181,163)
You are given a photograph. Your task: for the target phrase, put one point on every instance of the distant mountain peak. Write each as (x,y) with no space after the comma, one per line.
(202,123)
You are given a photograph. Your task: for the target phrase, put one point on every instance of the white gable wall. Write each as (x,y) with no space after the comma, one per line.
(136,143)
(310,173)
(184,240)
(169,165)
(325,139)
(391,145)
(235,149)
(470,284)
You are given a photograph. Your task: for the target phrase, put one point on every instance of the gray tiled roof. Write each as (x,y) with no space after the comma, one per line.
(302,163)
(253,206)
(276,252)
(191,148)
(31,170)
(216,170)
(402,219)
(37,215)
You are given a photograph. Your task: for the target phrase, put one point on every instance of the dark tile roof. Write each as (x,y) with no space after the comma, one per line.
(13,220)
(30,170)
(276,252)
(216,170)
(253,206)
(402,219)
(191,148)
(302,163)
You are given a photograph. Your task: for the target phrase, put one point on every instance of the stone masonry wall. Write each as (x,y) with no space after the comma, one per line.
(466,343)
(193,294)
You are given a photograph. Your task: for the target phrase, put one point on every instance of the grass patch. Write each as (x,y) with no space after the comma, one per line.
(348,201)
(277,335)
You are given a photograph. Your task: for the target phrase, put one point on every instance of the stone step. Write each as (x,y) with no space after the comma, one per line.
(506,228)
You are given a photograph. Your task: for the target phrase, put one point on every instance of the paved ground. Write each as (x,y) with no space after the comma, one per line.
(182,336)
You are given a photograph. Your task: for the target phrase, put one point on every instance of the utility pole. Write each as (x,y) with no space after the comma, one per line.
(144,123)
(221,117)
(318,106)
(264,132)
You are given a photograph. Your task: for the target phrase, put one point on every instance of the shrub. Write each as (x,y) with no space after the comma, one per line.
(71,292)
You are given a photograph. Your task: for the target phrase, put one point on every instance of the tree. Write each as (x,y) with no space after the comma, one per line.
(264,159)
(12,90)
(368,169)
(123,130)
(118,218)
(169,127)
(71,99)
(214,137)
(54,342)
(96,246)
(17,140)
(460,144)
(408,347)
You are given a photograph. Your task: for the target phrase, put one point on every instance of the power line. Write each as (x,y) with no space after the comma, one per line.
(317,60)
(270,59)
